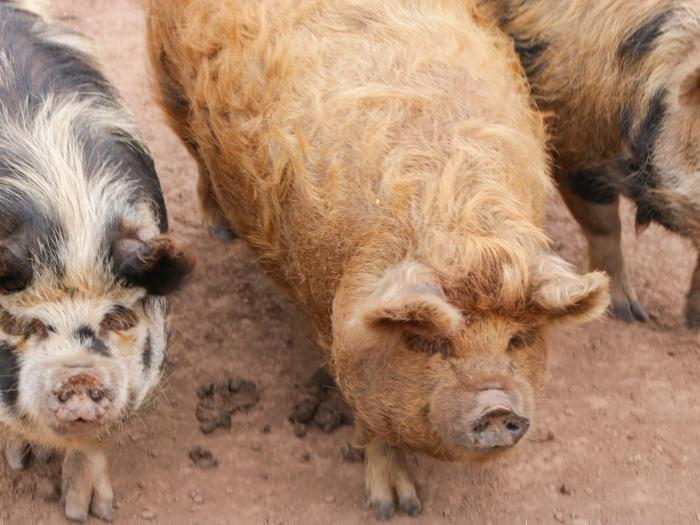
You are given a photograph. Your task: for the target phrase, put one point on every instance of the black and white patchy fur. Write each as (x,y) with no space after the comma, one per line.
(84,258)
(621,81)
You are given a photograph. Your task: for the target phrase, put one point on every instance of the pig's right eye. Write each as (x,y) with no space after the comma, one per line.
(22,327)
(428,345)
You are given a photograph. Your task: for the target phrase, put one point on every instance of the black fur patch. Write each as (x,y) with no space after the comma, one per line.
(593,186)
(87,336)
(41,70)
(638,44)
(640,140)
(529,52)
(15,271)
(650,126)
(147,355)
(9,374)
(159,265)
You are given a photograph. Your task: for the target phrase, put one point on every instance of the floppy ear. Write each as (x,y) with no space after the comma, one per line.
(563,295)
(159,265)
(15,268)
(409,297)
(690,89)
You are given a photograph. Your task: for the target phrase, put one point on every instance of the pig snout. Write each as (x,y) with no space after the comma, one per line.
(481,420)
(493,421)
(81,397)
(499,427)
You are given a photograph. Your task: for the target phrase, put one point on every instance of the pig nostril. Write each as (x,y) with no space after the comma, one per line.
(64,396)
(95,394)
(480,426)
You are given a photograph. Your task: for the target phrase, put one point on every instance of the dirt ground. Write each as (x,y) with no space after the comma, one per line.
(616,440)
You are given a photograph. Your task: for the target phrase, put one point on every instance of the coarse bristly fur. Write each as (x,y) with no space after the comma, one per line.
(622,82)
(384,162)
(84,255)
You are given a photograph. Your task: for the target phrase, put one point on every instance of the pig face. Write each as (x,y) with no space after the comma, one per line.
(457,381)
(81,349)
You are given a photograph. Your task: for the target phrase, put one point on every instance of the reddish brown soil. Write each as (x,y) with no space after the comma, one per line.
(616,441)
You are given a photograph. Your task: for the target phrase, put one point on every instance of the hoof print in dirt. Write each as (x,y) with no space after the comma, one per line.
(321,404)
(203,458)
(217,401)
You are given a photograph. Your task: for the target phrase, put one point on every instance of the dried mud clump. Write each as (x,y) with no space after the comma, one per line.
(321,404)
(218,401)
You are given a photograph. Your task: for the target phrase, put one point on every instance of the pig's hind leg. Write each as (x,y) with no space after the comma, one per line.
(86,485)
(599,218)
(217,224)
(386,475)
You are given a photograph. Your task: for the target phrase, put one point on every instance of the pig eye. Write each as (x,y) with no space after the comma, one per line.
(23,327)
(429,345)
(517,342)
(118,319)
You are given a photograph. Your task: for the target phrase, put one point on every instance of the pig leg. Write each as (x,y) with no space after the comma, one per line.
(601,226)
(692,307)
(17,455)
(386,474)
(86,485)
(219,227)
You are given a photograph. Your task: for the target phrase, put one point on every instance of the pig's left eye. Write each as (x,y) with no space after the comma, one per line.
(118,319)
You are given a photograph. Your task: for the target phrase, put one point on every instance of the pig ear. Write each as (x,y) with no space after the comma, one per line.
(158,265)
(15,269)
(559,293)
(690,89)
(409,297)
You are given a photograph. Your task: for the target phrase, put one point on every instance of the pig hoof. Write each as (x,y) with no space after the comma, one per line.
(102,507)
(692,314)
(222,233)
(17,456)
(411,506)
(75,510)
(629,311)
(385,508)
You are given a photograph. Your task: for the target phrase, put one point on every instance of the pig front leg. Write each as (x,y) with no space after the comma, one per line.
(692,307)
(86,485)
(386,476)
(601,225)
(17,454)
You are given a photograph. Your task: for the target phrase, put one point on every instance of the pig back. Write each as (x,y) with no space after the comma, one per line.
(336,130)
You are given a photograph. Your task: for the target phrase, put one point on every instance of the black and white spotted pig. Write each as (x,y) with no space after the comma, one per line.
(621,79)
(84,259)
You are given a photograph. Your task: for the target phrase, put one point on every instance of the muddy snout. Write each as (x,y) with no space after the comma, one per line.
(494,422)
(483,420)
(499,427)
(81,397)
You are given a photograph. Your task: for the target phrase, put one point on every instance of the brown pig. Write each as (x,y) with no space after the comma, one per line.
(384,163)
